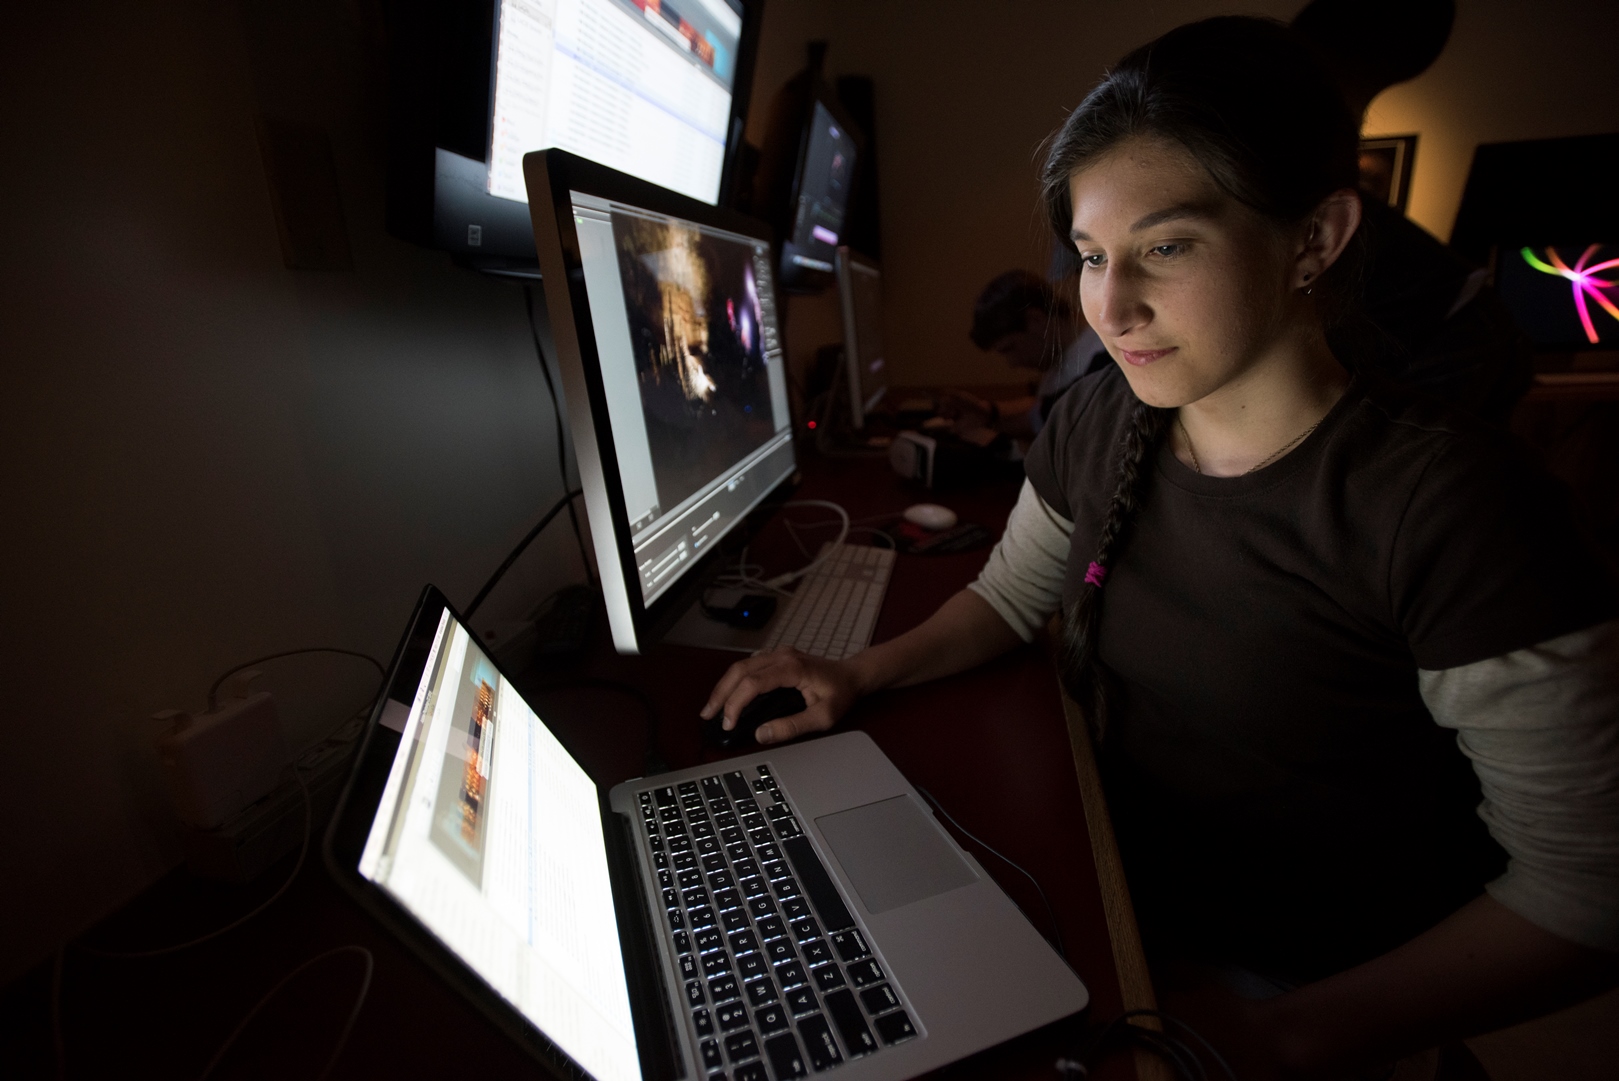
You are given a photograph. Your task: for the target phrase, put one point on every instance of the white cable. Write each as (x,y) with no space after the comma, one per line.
(792,576)
(348,1026)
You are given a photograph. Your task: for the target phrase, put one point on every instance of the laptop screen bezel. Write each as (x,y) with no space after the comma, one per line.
(553,175)
(352,822)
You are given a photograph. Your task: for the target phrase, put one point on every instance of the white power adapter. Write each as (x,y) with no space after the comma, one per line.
(216,764)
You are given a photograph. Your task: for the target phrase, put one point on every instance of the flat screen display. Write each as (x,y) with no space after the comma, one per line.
(692,369)
(823,193)
(643,86)
(1563,296)
(490,834)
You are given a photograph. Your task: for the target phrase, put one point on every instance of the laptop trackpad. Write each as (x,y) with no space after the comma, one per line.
(893,853)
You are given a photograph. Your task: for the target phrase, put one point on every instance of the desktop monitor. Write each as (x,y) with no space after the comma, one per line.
(814,224)
(860,290)
(663,319)
(651,88)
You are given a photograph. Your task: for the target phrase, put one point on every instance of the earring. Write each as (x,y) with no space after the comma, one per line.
(1309,288)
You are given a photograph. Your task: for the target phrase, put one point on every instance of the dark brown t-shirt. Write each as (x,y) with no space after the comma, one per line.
(1282,795)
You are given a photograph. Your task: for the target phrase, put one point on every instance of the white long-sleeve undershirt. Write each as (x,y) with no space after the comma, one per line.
(1540,725)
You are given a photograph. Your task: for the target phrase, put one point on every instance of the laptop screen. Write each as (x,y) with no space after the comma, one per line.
(490,834)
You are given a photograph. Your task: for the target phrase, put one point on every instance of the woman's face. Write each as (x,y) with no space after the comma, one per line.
(1189,289)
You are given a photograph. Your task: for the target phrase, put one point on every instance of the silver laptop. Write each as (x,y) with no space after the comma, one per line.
(784,914)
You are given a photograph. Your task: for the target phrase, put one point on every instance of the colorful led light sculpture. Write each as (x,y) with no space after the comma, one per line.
(1584,281)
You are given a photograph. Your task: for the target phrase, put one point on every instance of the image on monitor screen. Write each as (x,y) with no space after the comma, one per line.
(823,193)
(639,85)
(695,327)
(1562,296)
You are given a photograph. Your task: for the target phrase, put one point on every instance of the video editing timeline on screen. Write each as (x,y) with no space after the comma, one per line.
(685,323)
(639,85)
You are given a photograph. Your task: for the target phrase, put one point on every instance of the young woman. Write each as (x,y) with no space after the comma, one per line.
(1355,674)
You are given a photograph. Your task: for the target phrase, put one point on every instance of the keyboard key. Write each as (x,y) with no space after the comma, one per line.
(701,917)
(751,966)
(734,919)
(851,945)
(731,1016)
(676,920)
(694,993)
(708,940)
(895,1027)
(818,884)
(689,879)
(657,845)
(791,974)
(802,1000)
(702,845)
(738,850)
(682,942)
(785,1060)
(715,964)
(713,862)
(760,991)
(702,829)
(758,837)
(671,899)
(704,1024)
(711,1054)
(687,788)
(770,927)
(723,989)
(865,973)
(683,861)
(780,950)
(879,999)
(669,814)
(785,888)
(747,805)
(754,887)
(776,869)
(676,844)
(827,977)
(851,1025)
(771,1018)
(816,952)
(806,929)
(768,853)
(735,782)
(712,787)
(660,859)
(753,824)
(725,820)
(761,906)
(753,1071)
(694,897)
(745,868)
(727,898)
(732,835)
(688,967)
(719,879)
(741,1045)
(743,942)
(818,1042)
(777,811)
(794,908)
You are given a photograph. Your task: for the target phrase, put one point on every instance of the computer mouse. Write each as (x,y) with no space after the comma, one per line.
(930,516)
(781,702)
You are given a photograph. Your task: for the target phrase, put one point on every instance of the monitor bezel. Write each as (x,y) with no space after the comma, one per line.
(551,176)
(344,843)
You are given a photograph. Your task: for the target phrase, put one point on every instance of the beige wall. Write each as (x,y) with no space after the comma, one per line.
(966,91)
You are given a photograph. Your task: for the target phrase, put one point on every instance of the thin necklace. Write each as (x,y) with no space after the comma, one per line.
(1289,445)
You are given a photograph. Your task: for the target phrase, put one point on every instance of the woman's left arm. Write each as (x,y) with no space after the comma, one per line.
(1541,727)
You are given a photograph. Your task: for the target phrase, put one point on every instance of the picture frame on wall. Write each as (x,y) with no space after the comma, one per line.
(1386,162)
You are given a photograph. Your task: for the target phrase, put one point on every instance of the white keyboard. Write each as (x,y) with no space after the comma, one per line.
(834,610)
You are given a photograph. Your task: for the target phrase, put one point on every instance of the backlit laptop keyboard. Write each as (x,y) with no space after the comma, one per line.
(778,980)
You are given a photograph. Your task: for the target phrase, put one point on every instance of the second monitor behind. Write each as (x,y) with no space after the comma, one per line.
(860,290)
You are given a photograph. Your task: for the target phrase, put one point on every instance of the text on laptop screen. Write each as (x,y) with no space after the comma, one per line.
(692,369)
(490,834)
(633,84)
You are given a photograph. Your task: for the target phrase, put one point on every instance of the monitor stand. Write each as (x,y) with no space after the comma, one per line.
(698,630)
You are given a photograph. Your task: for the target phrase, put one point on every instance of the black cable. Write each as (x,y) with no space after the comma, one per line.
(213,691)
(1056,929)
(556,413)
(522,545)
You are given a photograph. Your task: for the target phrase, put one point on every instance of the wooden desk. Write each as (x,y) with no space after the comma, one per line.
(991,745)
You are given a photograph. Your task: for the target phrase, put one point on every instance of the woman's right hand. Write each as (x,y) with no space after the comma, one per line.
(829,689)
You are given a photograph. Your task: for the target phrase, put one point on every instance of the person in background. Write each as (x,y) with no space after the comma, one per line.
(1429,318)
(1020,317)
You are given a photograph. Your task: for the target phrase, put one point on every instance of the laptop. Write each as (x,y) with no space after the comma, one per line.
(794,912)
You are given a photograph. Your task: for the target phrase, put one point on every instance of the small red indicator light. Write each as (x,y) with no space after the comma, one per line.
(812,425)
